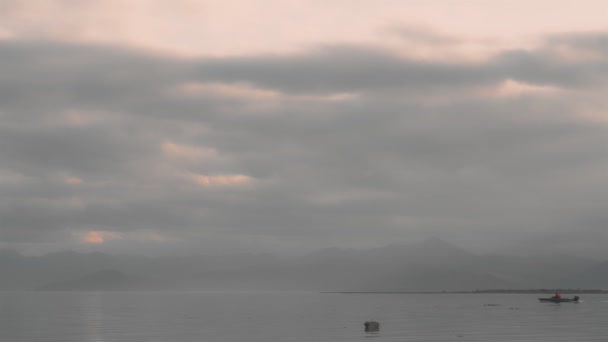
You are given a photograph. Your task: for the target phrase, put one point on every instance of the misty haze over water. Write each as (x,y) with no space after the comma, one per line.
(431,265)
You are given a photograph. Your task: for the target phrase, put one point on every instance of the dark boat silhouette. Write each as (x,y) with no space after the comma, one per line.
(554,299)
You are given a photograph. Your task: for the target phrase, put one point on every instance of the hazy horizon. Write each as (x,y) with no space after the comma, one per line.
(287,255)
(430,265)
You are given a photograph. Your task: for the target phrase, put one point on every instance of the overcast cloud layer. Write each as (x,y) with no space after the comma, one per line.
(120,149)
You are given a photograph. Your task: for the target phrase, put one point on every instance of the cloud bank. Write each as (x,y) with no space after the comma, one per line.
(349,145)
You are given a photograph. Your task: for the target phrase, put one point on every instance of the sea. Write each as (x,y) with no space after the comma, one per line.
(295,316)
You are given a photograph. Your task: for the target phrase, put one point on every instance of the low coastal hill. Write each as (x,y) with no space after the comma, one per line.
(430,266)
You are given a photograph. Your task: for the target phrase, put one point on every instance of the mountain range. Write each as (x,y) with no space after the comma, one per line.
(432,265)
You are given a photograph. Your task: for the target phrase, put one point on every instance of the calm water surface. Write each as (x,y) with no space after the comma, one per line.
(206,316)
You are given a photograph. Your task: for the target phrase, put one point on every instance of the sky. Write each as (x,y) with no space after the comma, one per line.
(196,126)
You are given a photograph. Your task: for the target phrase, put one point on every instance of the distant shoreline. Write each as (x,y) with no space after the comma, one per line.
(527,291)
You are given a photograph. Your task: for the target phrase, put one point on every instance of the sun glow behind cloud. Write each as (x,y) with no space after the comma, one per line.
(221,180)
(96,237)
(80,118)
(5,34)
(252,95)
(73,181)
(192,153)
(244,91)
(511,88)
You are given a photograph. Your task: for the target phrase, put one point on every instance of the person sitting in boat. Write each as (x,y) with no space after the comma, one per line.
(558,295)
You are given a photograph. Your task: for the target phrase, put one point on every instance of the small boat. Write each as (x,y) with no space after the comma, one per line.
(372,326)
(554,299)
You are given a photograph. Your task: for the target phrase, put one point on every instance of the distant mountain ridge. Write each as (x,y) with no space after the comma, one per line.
(432,265)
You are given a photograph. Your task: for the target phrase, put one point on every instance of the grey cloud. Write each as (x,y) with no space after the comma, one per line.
(352,69)
(541,68)
(76,151)
(381,166)
(45,76)
(339,69)
(590,41)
